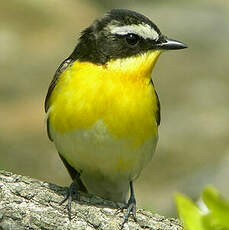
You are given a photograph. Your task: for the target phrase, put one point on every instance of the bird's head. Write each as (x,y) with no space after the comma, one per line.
(122,35)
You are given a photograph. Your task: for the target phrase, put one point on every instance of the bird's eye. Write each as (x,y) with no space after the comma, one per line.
(132,39)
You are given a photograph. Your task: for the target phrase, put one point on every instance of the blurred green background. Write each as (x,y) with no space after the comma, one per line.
(193,86)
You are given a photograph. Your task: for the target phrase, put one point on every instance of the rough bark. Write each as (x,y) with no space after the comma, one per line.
(27,203)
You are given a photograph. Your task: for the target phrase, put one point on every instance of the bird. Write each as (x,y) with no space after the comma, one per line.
(102,109)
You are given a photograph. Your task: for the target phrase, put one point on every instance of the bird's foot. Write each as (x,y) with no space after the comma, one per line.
(69,196)
(130,209)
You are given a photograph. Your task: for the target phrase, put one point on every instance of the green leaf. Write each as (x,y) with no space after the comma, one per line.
(211,223)
(218,208)
(189,213)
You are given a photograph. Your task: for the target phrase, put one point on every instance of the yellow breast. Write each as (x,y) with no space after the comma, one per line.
(119,93)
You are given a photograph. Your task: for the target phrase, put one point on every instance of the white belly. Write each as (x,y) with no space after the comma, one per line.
(107,164)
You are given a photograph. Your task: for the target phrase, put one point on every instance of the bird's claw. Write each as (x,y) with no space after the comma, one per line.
(130,209)
(69,196)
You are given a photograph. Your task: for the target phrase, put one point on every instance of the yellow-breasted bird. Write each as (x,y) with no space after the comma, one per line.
(102,109)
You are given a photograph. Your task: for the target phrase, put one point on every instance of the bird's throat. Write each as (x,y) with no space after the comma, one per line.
(136,68)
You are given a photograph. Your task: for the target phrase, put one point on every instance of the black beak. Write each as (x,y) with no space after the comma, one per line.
(170,44)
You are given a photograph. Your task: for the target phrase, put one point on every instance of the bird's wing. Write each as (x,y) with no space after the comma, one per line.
(63,66)
(158,112)
(73,172)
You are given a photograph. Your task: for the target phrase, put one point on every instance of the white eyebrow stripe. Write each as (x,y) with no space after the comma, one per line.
(143,30)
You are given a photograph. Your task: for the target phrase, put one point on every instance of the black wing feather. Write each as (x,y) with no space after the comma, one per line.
(73,173)
(158,112)
(52,85)
(63,66)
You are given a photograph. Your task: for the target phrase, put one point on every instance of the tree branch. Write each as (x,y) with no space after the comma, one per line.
(27,203)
